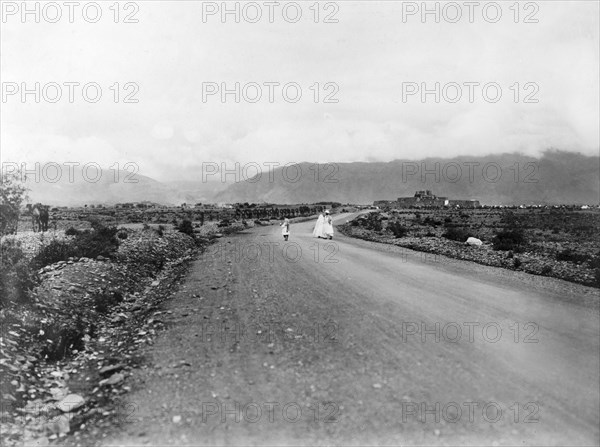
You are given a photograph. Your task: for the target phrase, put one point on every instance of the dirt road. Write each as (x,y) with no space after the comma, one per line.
(316,342)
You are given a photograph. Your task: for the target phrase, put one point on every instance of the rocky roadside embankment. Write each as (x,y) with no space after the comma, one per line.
(65,359)
(529,262)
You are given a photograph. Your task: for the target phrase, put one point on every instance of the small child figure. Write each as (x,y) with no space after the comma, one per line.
(286,229)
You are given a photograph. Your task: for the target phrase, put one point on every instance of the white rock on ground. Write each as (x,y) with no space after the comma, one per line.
(474,241)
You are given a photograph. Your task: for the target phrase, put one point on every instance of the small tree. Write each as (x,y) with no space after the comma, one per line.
(510,240)
(397,229)
(12,195)
(186,227)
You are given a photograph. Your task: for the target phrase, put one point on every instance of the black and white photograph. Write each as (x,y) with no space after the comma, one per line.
(299,223)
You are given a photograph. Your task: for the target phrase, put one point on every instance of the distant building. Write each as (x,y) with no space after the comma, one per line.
(422,199)
(426,198)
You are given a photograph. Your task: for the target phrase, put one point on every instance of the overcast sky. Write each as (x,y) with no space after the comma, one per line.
(370,55)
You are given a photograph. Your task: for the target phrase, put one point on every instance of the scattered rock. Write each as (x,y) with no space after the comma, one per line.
(474,241)
(111,369)
(113,380)
(70,403)
(120,317)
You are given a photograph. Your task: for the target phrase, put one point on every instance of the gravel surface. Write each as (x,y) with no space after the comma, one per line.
(332,339)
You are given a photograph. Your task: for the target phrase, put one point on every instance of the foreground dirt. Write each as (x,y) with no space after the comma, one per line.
(274,347)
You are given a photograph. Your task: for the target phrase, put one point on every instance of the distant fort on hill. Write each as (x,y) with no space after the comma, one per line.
(426,199)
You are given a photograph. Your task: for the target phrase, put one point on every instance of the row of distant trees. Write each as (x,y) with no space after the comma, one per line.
(277,212)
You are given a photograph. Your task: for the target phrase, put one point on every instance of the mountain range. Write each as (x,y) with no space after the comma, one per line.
(77,189)
(554,177)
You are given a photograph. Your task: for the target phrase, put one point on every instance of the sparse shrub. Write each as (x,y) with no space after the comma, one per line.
(161,230)
(570,256)
(71,231)
(546,270)
(509,240)
(375,225)
(431,221)
(186,227)
(16,275)
(456,234)
(95,223)
(98,242)
(107,299)
(55,251)
(594,261)
(397,229)
(65,336)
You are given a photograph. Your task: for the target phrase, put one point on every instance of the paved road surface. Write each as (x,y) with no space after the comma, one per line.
(351,342)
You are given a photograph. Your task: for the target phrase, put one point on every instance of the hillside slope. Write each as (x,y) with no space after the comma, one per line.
(556,177)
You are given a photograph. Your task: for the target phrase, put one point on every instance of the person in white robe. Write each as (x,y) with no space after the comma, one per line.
(285,230)
(328,226)
(318,231)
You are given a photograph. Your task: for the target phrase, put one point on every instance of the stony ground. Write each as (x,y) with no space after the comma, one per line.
(191,354)
(45,398)
(31,241)
(276,348)
(538,257)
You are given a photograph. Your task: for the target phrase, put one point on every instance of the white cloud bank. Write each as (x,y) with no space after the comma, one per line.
(369,54)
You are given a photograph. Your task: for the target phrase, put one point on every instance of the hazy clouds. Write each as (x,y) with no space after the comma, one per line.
(368,55)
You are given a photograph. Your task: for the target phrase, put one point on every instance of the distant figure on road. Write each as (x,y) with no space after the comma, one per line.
(318,231)
(285,230)
(328,226)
